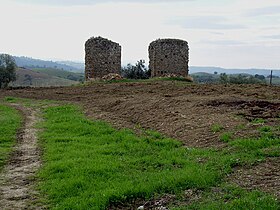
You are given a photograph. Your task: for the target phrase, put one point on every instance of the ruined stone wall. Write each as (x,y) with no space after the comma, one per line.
(102,57)
(169,56)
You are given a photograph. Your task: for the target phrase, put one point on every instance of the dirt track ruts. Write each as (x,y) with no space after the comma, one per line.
(16,184)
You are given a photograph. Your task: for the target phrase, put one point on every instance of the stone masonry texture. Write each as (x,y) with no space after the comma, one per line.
(102,57)
(169,56)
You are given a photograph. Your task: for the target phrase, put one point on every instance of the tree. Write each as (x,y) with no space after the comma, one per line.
(137,71)
(7,70)
(223,78)
(260,77)
(28,78)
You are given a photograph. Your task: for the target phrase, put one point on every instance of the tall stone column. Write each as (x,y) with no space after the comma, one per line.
(102,57)
(169,56)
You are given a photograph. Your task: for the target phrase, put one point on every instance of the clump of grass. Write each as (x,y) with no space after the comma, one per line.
(182,79)
(226,137)
(266,129)
(240,127)
(259,148)
(217,128)
(258,121)
(10,99)
(10,121)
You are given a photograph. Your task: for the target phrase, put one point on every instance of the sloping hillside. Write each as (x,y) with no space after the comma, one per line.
(27,77)
(61,73)
(31,63)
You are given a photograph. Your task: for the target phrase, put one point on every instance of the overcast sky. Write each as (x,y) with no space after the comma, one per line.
(225,33)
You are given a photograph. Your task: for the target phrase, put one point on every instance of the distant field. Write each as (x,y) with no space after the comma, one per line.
(44,78)
(60,73)
(275,81)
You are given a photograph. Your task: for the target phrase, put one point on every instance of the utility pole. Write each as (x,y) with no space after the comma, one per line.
(270,82)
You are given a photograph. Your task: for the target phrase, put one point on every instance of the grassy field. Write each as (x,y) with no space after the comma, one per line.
(60,73)
(275,81)
(90,165)
(10,121)
(34,78)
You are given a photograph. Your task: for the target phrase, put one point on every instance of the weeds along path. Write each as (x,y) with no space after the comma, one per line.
(16,184)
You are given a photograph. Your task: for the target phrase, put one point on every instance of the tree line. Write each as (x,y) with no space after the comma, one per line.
(224,78)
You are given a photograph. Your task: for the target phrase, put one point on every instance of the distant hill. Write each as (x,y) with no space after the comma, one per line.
(32,63)
(33,78)
(61,73)
(80,67)
(211,70)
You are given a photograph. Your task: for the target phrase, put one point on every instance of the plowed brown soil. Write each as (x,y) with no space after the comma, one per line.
(180,110)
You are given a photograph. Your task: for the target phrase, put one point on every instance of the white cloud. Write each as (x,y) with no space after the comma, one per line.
(205,22)
(272,10)
(272,36)
(91,2)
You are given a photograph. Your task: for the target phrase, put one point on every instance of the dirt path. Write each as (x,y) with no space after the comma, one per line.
(16,184)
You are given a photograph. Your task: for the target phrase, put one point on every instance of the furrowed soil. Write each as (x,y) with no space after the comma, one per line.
(183,111)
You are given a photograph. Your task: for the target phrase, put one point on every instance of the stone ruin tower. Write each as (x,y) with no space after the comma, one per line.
(169,56)
(102,57)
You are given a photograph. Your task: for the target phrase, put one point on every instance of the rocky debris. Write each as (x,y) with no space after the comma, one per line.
(102,57)
(169,56)
(112,77)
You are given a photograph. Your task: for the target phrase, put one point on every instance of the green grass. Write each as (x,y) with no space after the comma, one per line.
(275,81)
(217,128)
(233,198)
(61,73)
(226,137)
(155,79)
(90,165)
(181,79)
(240,127)
(258,121)
(10,121)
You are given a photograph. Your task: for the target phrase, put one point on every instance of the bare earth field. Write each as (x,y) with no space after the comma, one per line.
(184,111)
